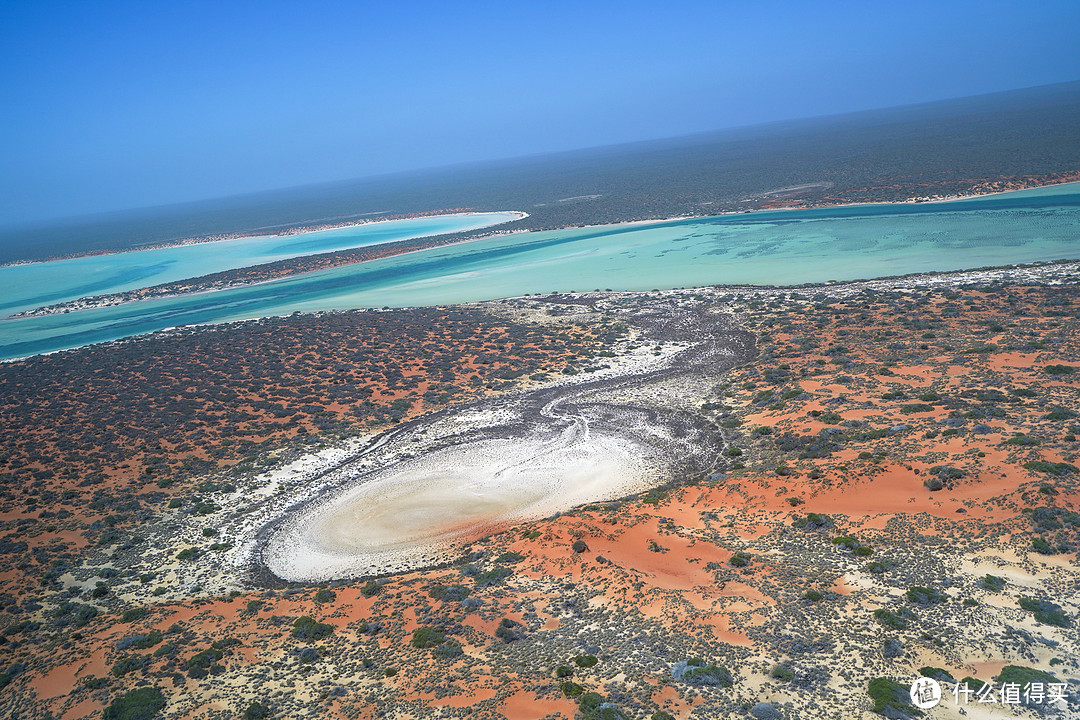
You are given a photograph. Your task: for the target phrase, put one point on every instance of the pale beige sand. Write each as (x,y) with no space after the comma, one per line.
(420,511)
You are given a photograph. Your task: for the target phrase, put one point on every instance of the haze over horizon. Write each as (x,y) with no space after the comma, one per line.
(121,105)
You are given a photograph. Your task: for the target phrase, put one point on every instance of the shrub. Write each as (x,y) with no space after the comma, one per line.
(813,595)
(203,661)
(1051,468)
(448,650)
(585,661)
(1060,413)
(1046,612)
(889,696)
(740,559)
(129,663)
(506,632)
(924,595)
(149,640)
(813,521)
(890,619)
(564,671)
(936,673)
(427,637)
(696,672)
(846,541)
(1059,369)
(188,554)
(571,689)
(1041,546)
(490,577)
(782,673)
(139,704)
(134,614)
(579,546)
(325,595)
(1023,440)
(1022,676)
(307,628)
(256,711)
(449,593)
(371,589)
(993,583)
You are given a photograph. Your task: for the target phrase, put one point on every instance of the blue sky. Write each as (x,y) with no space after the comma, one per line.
(111,105)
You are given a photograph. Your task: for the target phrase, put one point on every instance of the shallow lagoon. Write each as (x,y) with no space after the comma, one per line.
(773,248)
(32,285)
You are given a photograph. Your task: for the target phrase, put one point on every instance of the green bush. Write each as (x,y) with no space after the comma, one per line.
(564,671)
(203,660)
(924,595)
(148,640)
(371,589)
(697,673)
(890,619)
(936,673)
(1046,612)
(307,628)
(740,559)
(129,663)
(846,542)
(585,661)
(448,593)
(134,614)
(448,650)
(571,689)
(325,595)
(427,637)
(813,595)
(1051,468)
(912,408)
(1041,546)
(490,577)
(1059,369)
(256,711)
(993,583)
(889,698)
(782,673)
(813,521)
(139,704)
(1023,440)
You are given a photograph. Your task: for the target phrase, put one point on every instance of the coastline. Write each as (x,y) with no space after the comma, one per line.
(287,232)
(266,272)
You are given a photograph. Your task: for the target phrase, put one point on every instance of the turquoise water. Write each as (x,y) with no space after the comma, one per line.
(780,247)
(45,283)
